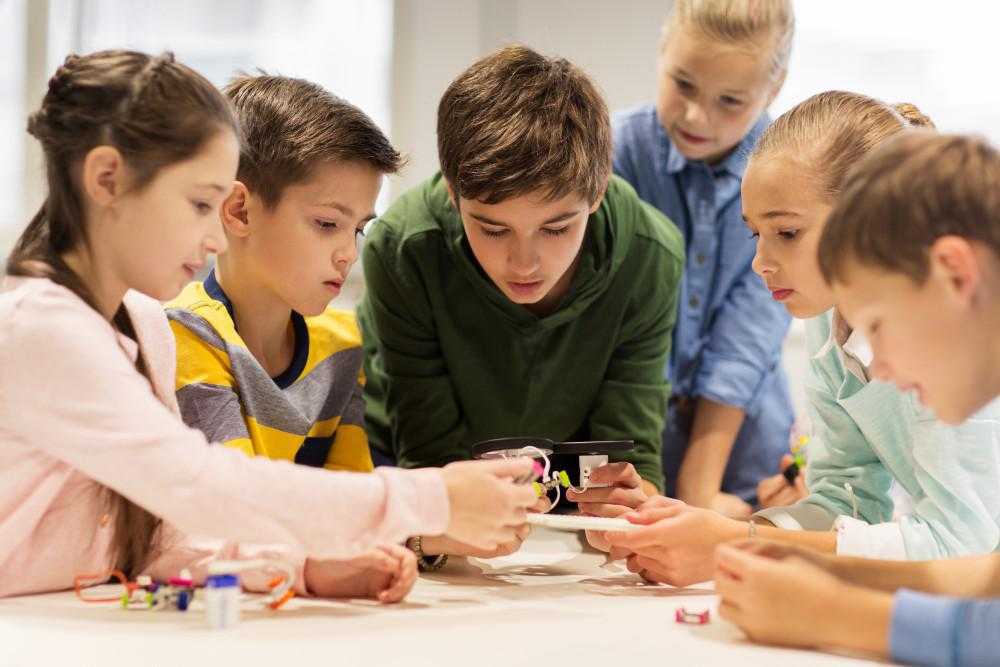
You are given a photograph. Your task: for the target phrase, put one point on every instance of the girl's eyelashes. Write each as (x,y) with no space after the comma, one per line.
(785,234)
(202,207)
(555,232)
(731,102)
(325,225)
(683,85)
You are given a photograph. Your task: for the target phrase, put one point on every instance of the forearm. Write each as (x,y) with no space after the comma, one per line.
(821,541)
(857,618)
(713,433)
(975,576)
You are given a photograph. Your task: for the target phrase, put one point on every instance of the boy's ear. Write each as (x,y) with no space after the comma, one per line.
(597,202)
(235,219)
(954,259)
(451,194)
(103,175)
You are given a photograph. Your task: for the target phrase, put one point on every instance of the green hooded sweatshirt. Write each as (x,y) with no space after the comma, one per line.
(451,361)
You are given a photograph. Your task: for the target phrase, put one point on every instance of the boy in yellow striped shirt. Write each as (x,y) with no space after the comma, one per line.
(264,365)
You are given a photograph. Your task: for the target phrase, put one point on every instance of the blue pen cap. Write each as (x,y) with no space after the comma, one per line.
(222,581)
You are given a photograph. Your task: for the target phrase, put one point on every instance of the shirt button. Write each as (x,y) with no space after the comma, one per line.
(700,259)
(694,301)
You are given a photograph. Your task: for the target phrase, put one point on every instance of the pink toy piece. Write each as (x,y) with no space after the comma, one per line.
(682,615)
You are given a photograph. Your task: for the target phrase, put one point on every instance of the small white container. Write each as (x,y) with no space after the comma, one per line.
(222,601)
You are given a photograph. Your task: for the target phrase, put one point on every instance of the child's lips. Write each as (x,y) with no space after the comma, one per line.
(692,138)
(524,288)
(333,285)
(781,294)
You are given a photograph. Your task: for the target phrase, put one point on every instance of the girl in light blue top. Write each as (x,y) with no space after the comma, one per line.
(866,435)
(912,251)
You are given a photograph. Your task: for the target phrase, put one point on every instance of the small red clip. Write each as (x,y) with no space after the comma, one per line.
(692,617)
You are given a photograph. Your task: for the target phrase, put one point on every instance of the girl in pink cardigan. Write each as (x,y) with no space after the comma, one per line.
(97,471)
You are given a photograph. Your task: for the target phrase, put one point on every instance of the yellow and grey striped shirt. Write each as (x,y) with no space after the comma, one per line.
(313,413)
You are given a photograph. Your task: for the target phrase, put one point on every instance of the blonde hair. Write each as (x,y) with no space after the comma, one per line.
(833,131)
(739,22)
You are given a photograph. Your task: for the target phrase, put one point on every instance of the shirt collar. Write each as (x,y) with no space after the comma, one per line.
(734,164)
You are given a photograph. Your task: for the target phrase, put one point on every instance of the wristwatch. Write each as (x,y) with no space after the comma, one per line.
(425,564)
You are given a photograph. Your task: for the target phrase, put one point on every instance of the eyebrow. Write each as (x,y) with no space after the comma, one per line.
(566,215)
(770,215)
(346,210)
(213,186)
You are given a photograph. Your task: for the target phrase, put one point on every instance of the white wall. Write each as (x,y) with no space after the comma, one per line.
(434,41)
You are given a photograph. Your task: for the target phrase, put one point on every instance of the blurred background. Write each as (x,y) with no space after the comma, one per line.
(394,58)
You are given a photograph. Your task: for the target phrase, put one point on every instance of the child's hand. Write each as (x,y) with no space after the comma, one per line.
(386,574)
(442,544)
(598,538)
(782,551)
(625,492)
(487,508)
(785,601)
(732,506)
(677,545)
(777,492)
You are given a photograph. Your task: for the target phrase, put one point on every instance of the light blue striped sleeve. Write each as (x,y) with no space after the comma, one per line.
(944,632)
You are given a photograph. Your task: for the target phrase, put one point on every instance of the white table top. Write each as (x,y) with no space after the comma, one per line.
(550,605)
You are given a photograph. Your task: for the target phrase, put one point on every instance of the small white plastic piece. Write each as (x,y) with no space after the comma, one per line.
(577,522)
(587,464)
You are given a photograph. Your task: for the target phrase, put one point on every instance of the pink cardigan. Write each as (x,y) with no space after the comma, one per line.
(75,416)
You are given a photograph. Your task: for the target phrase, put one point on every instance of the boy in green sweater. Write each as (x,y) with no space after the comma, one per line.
(523,291)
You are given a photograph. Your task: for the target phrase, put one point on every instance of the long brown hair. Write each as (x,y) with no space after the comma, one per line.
(156,112)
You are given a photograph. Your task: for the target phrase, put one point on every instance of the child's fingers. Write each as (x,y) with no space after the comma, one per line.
(651,515)
(656,535)
(402,580)
(769,488)
(729,611)
(616,473)
(736,562)
(506,468)
(617,553)
(786,461)
(728,587)
(612,495)
(787,495)
(604,509)
(800,485)
(541,506)
(659,502)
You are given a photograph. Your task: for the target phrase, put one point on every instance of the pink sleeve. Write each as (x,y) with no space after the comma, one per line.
(67,390)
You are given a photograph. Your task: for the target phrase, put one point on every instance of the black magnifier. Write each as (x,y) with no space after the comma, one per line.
(501,448)
(592,453)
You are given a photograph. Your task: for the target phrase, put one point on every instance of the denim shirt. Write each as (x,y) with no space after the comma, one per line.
(729,333)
